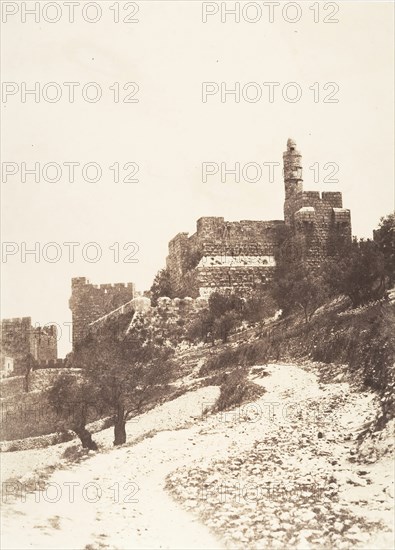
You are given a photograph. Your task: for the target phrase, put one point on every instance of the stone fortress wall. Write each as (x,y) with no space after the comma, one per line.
(219,256)
(229,256)
(21,340)
(89,303)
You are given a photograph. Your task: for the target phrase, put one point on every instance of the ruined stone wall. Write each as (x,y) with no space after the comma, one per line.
(89,302)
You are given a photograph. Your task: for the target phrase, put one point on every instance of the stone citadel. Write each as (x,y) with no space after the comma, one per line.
(225,255)
(221,255)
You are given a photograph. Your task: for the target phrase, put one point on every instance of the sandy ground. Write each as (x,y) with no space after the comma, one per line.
(116,498)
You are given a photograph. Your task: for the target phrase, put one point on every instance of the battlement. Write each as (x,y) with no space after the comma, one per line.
(51,364)
(316,220)
(21,341)
(331,198)
(309,196)
(334,198)
(17,321)
(239,255)
(82,282)
(324,206)
(78,281)
(209,226)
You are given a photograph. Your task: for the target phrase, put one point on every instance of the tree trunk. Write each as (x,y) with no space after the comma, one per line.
(86,438)
(119,431)
(27,377)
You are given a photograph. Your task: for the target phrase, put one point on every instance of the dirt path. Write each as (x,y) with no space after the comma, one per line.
(115,499)
(120,501)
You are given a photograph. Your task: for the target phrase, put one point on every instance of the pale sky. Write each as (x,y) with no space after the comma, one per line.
(170,132)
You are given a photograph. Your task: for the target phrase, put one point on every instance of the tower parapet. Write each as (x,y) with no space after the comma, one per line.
(316,221)
(240,256)
(22,341)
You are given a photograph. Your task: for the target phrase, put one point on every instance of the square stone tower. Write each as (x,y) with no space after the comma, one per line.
(318,222)
(240,256)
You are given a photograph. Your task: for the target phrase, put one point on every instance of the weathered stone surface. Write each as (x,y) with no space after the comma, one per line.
(89,302)
(20,339)
(228,256)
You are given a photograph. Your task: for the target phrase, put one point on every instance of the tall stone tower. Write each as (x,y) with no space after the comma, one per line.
(240,256)
(319,223)
(293,180)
